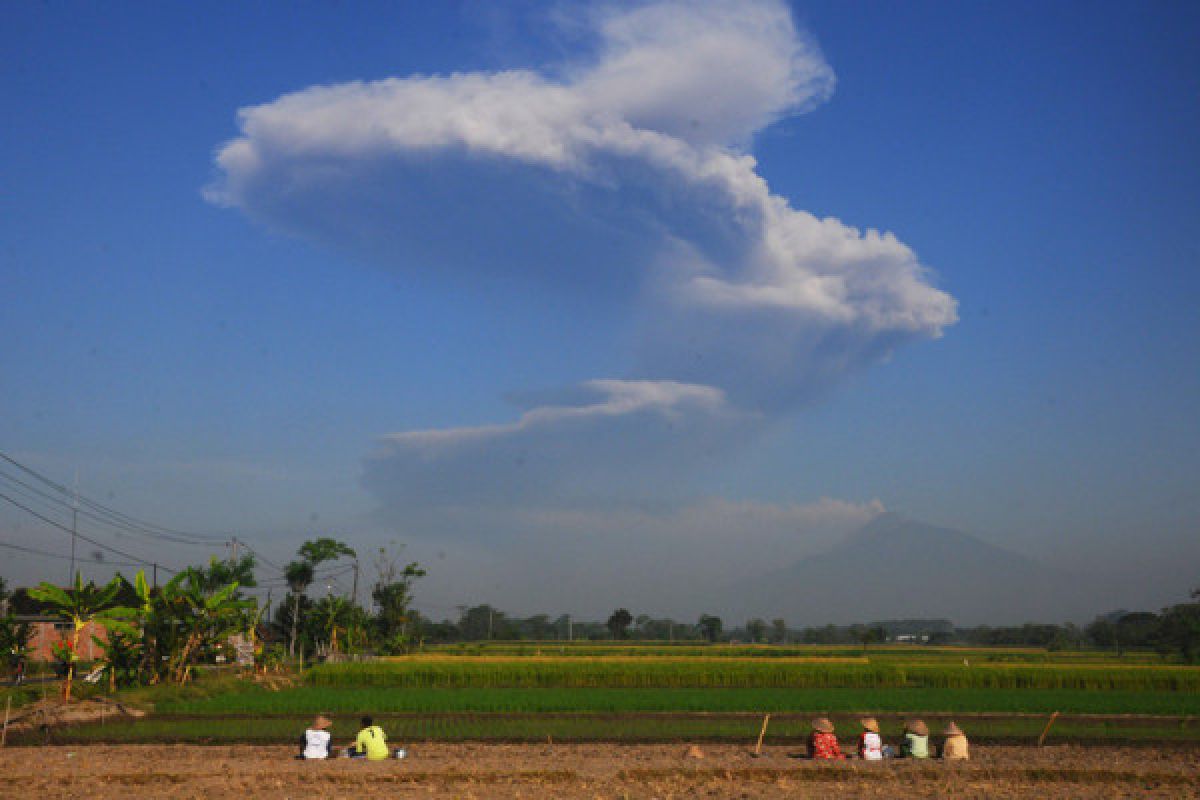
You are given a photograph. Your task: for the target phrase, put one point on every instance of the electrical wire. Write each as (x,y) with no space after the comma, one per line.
(88,539)
(114,517)
(45,554)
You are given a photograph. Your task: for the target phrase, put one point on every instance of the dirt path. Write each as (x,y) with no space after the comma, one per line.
(586,771)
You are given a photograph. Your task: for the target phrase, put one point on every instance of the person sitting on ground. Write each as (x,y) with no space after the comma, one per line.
(371,742)
(316,741)
(954,748)
(870,744)
(822,743)
(916,739)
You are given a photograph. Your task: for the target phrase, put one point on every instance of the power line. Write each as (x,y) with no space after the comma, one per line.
(65,529)
(29,490)
(45,554)
(115,517)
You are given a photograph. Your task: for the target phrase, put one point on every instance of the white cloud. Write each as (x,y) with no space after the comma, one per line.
(622,175)
(623,438)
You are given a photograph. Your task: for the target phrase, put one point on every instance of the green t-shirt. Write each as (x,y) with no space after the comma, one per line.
(916,746)
(373,742)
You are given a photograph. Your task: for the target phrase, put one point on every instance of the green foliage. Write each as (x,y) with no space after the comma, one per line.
(710,627)
(14,639)
(393,624)
(618,624)
(1179,632)
(337,699)
(189,619)
(424,672)
(81,605)
(123,655)
(324,549)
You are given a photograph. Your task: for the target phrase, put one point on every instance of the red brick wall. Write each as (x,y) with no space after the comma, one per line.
(45,634)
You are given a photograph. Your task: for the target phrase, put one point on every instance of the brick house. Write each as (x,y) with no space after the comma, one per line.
(48,630)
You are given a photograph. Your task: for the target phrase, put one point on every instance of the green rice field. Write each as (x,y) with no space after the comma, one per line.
(652,693)
(661,672)
(312,699)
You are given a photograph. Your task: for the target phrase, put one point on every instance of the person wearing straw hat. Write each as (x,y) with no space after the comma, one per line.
(822,743)
(954,748)
(870,744)
(316,740)
(916,739)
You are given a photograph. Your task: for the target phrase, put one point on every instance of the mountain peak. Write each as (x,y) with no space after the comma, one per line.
(894,567)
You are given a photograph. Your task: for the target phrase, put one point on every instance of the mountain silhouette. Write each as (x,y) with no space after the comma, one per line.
(898,568)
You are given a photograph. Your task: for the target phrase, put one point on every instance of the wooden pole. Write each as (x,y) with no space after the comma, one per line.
(4,734)
(761,734)
(1046,730)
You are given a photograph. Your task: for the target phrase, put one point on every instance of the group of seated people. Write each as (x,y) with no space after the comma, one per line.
(317,742)
(823,743)
(371,742)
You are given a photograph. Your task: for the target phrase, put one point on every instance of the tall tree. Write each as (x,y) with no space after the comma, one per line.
(756,629)
(393,594)
(1179,630)
(318,551)
(779,630)
(619,622)
(710,627)
(299,575)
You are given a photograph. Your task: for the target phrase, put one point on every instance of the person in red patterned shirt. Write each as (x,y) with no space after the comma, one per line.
(822,743)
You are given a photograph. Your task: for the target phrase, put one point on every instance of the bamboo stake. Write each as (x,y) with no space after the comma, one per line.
(4,734)
(761,734)
(1046,730)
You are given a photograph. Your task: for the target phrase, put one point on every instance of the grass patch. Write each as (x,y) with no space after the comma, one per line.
(313,699)
(619,672)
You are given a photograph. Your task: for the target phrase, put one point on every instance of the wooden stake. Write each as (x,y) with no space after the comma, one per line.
(761,734)
(4,734)
(1046,730)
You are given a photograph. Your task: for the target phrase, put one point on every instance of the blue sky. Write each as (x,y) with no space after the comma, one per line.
(232,363)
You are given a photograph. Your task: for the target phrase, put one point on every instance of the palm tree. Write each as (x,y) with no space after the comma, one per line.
(299,575)
(82,605)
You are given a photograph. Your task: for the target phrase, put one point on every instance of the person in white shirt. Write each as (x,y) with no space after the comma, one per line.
(870,745)
(316,741)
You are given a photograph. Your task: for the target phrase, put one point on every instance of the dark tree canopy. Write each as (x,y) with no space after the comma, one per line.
(619,622)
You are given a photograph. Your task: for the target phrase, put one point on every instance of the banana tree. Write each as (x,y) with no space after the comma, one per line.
(202,616)
(83,605)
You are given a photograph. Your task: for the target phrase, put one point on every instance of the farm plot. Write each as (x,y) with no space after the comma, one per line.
(588,771)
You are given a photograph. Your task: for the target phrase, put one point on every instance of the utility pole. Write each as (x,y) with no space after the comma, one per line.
(155,573)
(354,592)
(74,531)
(233,548)
(489,622)
(570,629)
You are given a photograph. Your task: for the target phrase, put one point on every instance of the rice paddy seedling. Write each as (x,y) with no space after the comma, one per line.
(699,672)
(313,699)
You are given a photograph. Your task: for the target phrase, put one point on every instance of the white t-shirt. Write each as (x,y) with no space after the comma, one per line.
(872,747)
(316,744)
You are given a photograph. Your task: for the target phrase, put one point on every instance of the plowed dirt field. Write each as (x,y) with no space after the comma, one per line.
(588,771)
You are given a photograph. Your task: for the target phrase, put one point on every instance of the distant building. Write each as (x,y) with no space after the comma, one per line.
(48,630)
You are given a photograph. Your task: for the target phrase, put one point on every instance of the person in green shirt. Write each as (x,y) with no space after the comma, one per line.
(916,740)
(371,742)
